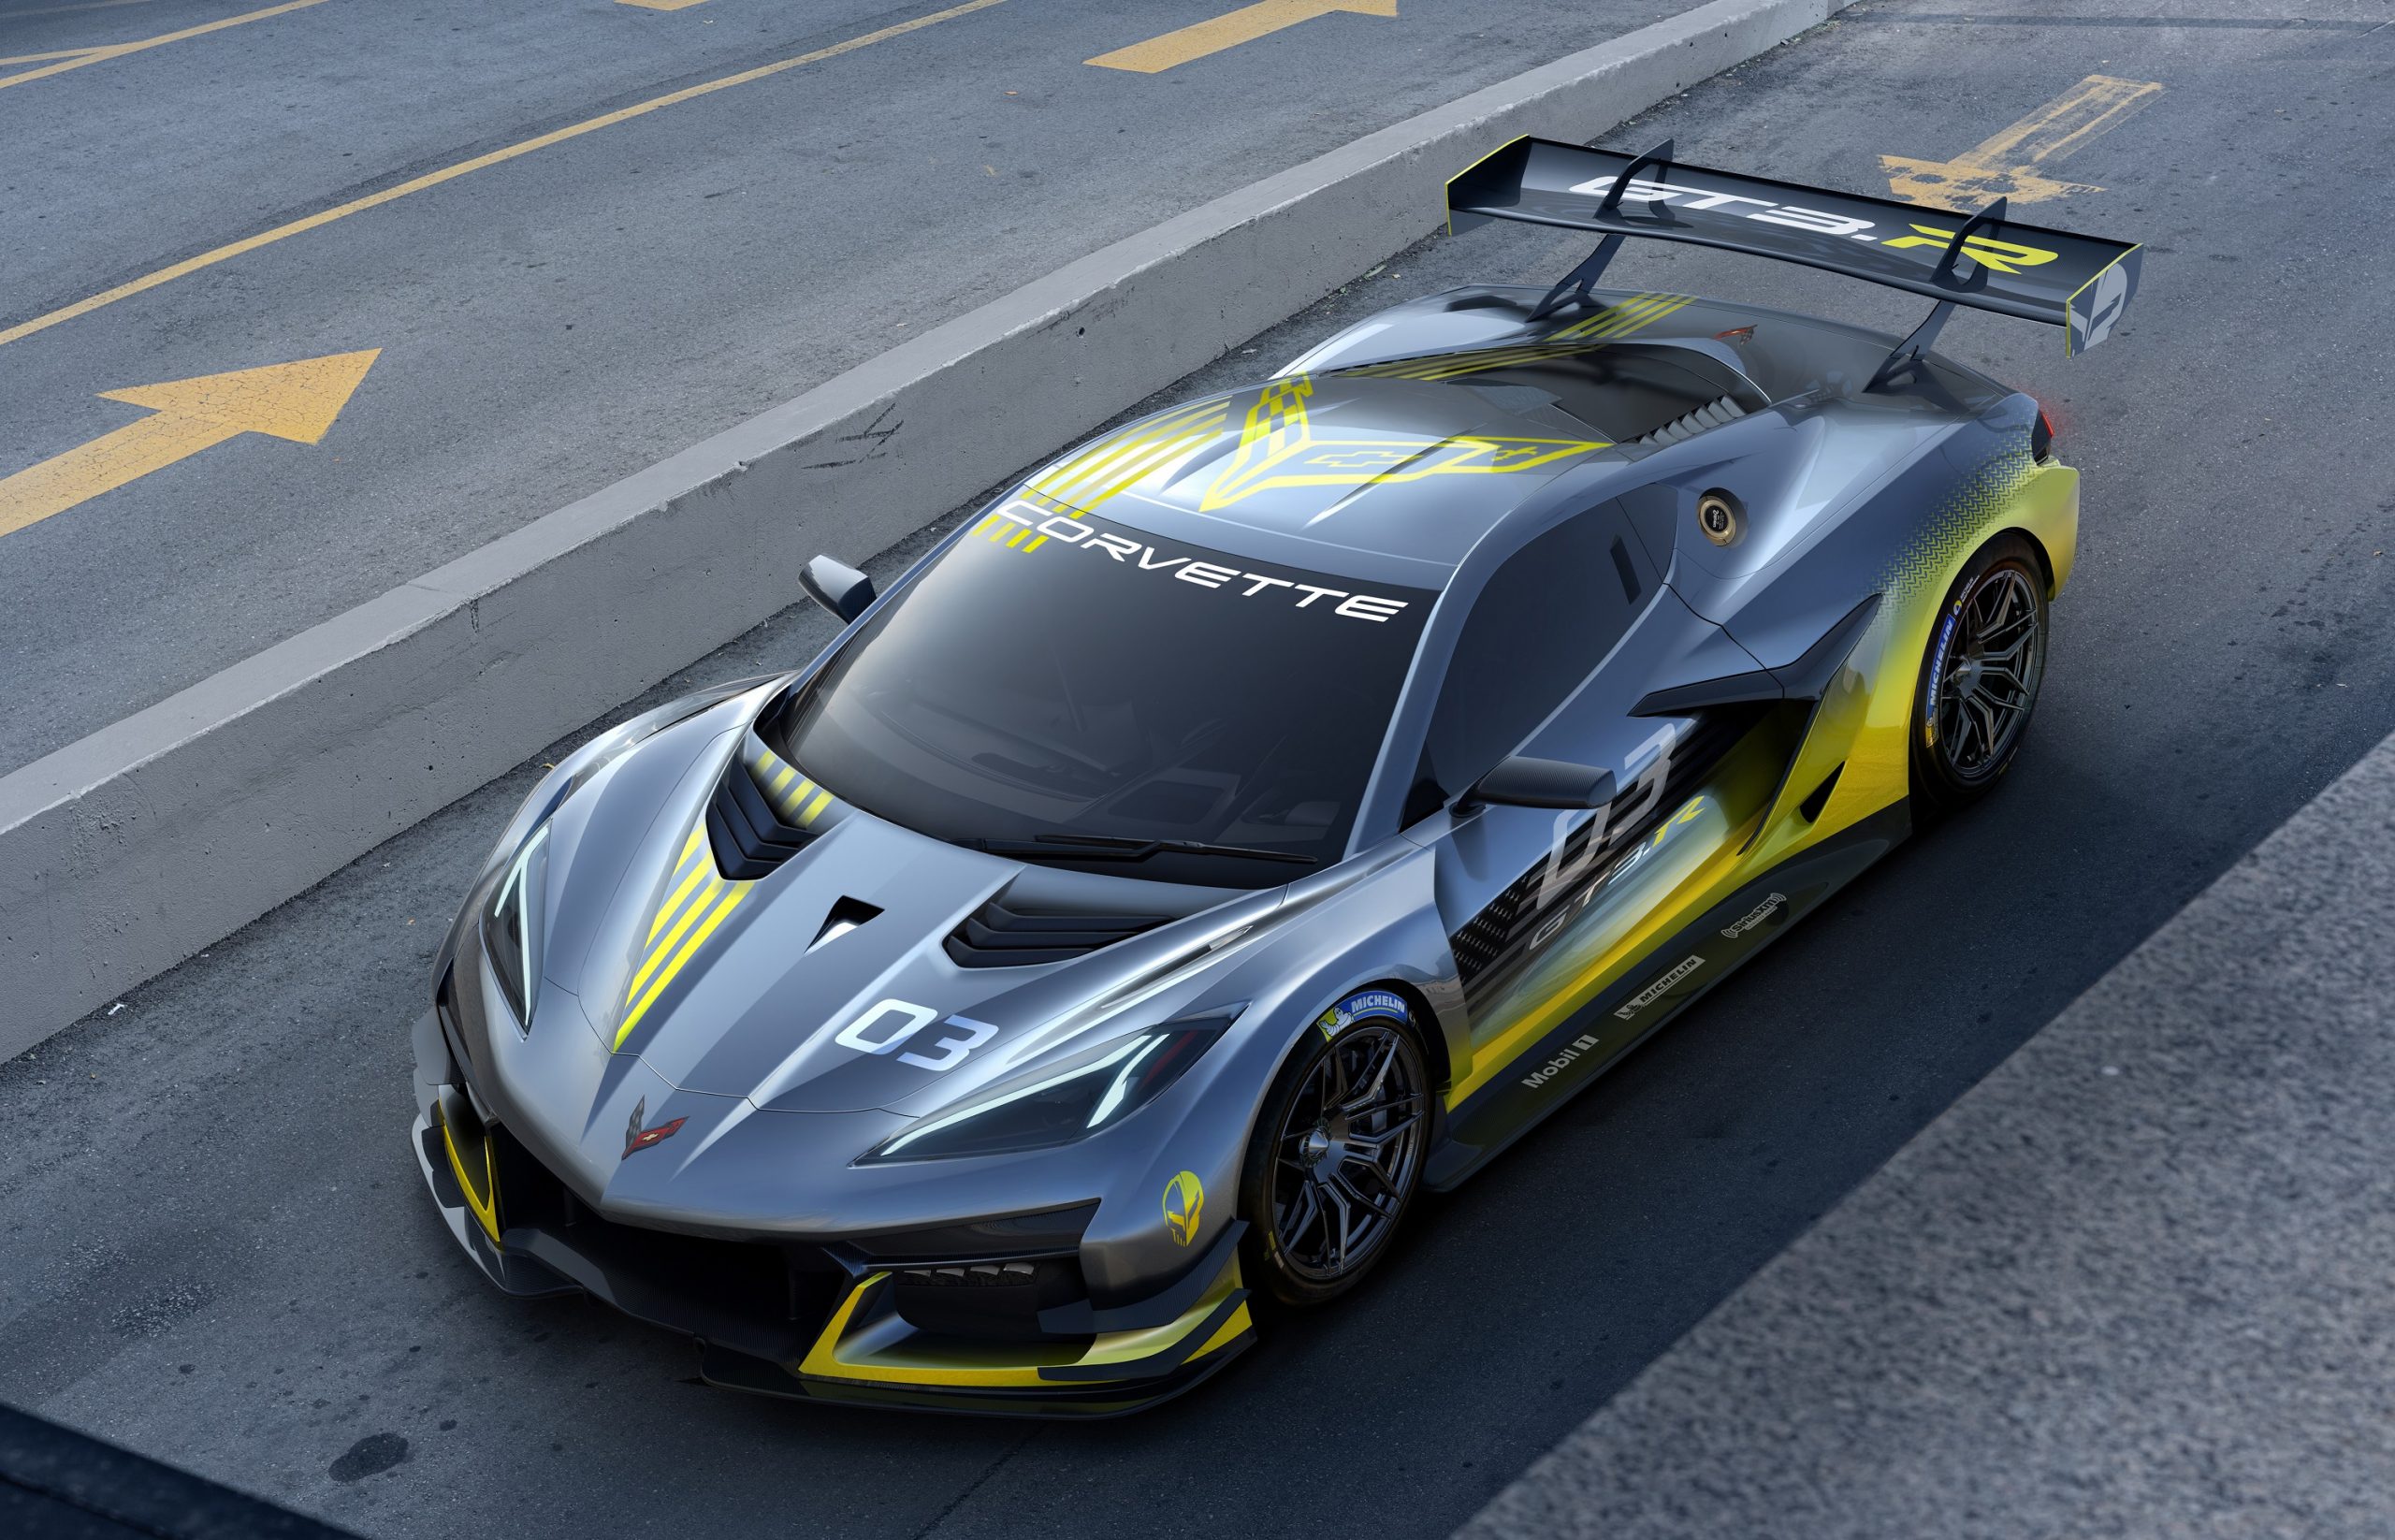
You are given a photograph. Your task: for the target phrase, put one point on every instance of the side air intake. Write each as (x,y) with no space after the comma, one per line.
(1712,414)
(999,936)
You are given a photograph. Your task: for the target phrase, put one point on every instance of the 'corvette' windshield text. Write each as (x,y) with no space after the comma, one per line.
(1206,575)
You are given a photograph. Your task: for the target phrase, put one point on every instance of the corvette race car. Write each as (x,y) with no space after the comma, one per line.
(1263,813)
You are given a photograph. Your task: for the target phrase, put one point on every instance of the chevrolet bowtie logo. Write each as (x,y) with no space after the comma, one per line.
(638,1137)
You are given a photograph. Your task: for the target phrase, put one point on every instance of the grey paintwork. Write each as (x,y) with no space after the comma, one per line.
(778,1113)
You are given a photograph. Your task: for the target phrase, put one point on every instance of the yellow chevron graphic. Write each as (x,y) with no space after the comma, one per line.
(1278,448)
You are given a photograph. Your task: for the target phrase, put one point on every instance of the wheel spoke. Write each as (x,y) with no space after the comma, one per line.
(1304,1209)
(1374,1143)
(1377,1075)
(1958,732)
(1341,1222)
(1985,717)
(1342,1187)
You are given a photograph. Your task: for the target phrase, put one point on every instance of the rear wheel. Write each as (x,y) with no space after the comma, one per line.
(1337,1155)
(1980,677)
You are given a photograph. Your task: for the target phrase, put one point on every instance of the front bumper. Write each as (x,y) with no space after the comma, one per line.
(862,1321)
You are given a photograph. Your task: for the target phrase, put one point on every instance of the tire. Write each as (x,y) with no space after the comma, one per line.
(1971,711)
(1337,1155)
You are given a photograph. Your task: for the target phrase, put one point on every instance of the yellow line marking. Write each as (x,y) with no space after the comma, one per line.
(297,401)
(2001,165)
(466,168)
(663,4)
(118,51)
(87,5)
(1229,30)
(61,53)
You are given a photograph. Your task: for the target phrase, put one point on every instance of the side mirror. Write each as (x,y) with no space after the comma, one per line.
(1521,781)
(837,586)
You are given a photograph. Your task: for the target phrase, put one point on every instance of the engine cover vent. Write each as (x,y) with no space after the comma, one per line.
(1712,414)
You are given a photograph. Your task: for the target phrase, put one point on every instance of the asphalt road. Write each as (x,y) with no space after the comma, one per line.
(552,322)
(215,1249)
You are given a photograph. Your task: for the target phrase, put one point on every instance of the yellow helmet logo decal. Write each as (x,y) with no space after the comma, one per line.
(1184,1204)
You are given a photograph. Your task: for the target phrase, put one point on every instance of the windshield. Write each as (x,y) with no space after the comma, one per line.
(1070,685)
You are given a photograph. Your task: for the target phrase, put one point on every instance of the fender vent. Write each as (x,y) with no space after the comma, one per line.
(996,936)
(1711,415)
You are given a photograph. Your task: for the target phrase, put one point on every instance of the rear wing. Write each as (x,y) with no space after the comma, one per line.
(2082,283)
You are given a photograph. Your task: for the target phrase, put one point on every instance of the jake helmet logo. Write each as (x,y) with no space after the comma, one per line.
(2104,305)
(638,1137)
(1184,1204)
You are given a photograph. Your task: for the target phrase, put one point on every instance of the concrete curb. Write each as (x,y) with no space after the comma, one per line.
(126,851)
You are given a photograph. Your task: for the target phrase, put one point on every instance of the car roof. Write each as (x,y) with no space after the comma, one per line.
(1411,460)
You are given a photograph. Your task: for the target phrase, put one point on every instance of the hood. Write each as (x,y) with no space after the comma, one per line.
(820,975)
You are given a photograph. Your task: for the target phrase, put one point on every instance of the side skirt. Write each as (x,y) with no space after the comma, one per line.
(1679,970)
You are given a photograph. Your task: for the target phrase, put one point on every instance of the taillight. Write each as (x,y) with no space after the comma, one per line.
(2042,437)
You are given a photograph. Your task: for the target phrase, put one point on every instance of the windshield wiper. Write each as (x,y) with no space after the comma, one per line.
(1125,848)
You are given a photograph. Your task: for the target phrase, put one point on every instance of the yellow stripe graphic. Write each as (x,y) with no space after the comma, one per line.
(1154,460)
(666,911)
(1100,458)
(698,938)
(1094,459)
(1626,317)
(658,952)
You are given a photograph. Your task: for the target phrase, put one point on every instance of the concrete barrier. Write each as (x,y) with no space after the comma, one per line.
(125,852)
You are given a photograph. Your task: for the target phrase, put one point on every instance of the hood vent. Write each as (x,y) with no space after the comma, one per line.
(1710,416)
(999,936)
(748,835)
(846,916)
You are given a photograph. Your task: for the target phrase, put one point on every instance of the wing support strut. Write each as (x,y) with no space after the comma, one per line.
(1905,357)
(1574,290)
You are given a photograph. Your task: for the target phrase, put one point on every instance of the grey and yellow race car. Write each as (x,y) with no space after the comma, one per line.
(1262,814)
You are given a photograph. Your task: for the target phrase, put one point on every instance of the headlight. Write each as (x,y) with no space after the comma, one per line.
(513,925)
(1061,1102)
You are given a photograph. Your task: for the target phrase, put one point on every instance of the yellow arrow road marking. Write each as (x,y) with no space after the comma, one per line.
(466,168)
(1229,30)
(2000,167)
(118,51)
(297,401)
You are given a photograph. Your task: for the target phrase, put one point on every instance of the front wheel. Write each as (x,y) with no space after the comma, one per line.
(1979,677)
(1337,1155)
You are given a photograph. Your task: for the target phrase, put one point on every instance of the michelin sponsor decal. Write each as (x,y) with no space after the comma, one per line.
(1657,990)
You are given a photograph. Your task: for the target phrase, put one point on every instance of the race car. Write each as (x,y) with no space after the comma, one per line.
(1260,815)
